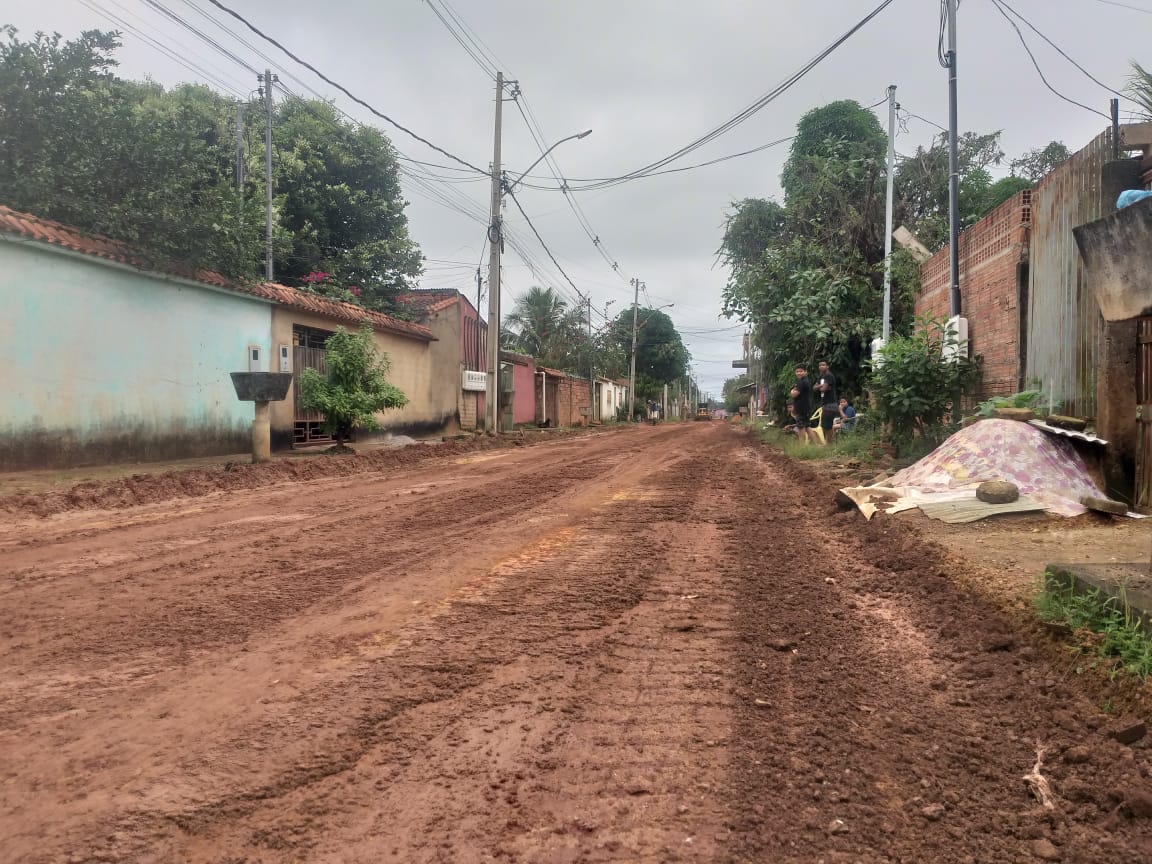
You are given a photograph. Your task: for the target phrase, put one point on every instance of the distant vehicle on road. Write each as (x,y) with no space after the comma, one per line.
(702,412)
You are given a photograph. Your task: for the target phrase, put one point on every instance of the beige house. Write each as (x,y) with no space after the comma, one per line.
(302,323)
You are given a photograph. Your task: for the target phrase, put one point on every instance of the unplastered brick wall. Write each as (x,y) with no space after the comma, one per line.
(991,252)
(572,395)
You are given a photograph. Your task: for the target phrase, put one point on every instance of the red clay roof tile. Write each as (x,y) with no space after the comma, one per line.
(56,234)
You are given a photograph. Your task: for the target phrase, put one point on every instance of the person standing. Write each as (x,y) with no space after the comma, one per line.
(829,407)
(802,403)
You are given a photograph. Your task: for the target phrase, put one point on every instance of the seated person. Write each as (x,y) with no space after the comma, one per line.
(846,422)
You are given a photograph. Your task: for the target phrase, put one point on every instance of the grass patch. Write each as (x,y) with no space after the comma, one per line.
(856,445)
(1104,627)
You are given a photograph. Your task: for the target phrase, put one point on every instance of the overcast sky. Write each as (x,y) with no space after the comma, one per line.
(647,76)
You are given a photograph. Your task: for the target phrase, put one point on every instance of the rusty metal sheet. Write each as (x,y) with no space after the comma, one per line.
(1065,328)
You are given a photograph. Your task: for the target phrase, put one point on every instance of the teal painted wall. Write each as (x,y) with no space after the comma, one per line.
(102,364)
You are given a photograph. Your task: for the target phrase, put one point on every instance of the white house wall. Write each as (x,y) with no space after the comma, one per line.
(102,363)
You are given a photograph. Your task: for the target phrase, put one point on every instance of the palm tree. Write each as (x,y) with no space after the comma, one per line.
(540,324)
(1140,88)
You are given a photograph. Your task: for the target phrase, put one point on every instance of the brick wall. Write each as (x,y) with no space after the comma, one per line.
(991,252)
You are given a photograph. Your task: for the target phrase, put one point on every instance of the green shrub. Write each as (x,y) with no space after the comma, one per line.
(914,385)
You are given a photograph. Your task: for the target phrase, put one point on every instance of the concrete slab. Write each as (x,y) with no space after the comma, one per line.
(1127,583)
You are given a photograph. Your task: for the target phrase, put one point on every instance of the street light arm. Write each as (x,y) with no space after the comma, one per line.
(510,186)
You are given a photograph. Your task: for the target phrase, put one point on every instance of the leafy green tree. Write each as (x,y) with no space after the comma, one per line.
(355,387)
(341,204)
(733,399)
(155,168)
(1039,163)
(922,185)
(661,356)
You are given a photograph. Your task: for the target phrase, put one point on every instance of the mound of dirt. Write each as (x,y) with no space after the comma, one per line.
(192,483)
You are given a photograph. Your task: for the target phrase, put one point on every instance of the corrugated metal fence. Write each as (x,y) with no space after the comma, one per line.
(1065,327)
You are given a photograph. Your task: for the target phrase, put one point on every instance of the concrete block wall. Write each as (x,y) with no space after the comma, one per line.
(991,254)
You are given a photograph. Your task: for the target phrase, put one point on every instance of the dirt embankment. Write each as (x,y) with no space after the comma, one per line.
(190,483)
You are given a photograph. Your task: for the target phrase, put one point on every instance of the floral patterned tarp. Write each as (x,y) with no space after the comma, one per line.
(1047,470)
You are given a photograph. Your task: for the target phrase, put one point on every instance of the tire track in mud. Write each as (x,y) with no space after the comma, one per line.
(537,715)
(918,709)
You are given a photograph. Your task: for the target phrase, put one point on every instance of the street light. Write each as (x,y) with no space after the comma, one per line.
(508,187)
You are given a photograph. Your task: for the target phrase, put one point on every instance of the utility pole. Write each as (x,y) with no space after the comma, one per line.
(953,164)
(266,91)
(240,173)
(240,149)
(479,291)
(491,409)
(592,406)
(888,213)
(632,371)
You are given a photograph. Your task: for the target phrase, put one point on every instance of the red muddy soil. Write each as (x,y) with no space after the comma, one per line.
(660,645)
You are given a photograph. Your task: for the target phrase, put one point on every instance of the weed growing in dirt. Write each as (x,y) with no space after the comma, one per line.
(856,446)
(1103,626)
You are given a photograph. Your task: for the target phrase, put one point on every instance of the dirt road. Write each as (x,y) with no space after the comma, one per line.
(653,645)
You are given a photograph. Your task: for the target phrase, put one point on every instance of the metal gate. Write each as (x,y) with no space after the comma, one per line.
(309,425)
(1144,414)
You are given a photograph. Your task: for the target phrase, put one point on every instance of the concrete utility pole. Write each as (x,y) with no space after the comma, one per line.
(240,149)
(267,81)
(592,406)
(632,371)
(496,241)
(479,292)
(953,164)
(888,214)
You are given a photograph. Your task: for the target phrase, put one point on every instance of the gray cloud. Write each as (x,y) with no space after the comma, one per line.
(648,76)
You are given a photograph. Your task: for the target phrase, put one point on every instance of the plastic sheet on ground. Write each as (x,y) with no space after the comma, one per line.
(1048,471)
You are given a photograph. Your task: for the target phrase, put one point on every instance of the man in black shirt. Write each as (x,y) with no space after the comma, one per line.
(802,403)
(830,410)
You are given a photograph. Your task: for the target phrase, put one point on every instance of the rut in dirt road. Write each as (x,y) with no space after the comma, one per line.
(619,648)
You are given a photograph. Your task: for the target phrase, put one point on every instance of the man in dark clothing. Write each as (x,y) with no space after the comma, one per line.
(829,407)
(802,403)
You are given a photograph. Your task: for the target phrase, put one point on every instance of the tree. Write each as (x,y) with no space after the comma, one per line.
(1140,89)
(1039,163)
(733,399)
(341,204)
(922,185)
(155,168)
(542,326)
(661,356)
(355,387)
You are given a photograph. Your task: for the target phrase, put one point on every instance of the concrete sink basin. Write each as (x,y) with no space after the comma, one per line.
(261,386)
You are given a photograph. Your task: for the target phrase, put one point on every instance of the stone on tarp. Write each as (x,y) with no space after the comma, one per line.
(1023,415)
(1104,505)
(1074,424)
(997,492)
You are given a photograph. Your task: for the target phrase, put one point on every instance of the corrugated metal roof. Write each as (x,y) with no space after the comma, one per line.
(26,225)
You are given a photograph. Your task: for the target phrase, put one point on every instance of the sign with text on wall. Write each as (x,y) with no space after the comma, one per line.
(475,381)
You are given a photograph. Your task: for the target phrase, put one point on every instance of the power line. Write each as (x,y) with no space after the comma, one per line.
(516,201)
(742,116)
(472,51)
(344,89)
(1040,71)
(191,28)
(199,71)
(1126,6)
(1058,49)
